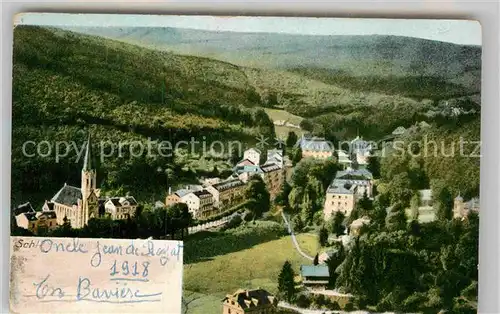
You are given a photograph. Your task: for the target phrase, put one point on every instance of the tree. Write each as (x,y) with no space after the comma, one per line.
(234,155)
(286,282)
(373,165)
(296,155)
(396,218)
(295,199)
(444,205)
(307,210)
(291,139)
(414,205)
(306,125)
(316,259)
(365,204)
(337,226)
(258,196)
(282,197)
(399,189)
(323,236)
(298,224)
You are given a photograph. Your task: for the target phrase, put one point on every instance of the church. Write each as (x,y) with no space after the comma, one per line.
(79,204)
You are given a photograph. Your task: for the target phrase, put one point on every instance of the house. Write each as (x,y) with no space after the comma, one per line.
(343,158)
(325,256)
(256,301)
(39,222)
(227,193)
(357,225)
(210,181)
(273,178)
(315,147)
(253,155)
(361,150)
(399,131)
(461,209)
(176,197)
(245,172)
(425,197)
(315,277)
(275,156)
(340,198)
(200,204)
(120,207)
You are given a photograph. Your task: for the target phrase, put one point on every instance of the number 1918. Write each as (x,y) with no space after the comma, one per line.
(133,269)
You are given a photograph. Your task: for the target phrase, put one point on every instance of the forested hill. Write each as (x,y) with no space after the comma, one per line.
(67,84)
(386,64)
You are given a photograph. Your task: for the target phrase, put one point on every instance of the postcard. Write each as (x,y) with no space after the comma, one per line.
(209,164)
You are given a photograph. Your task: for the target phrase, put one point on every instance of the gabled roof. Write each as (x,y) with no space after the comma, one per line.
(337,188)
(49,214)
(314,271)
(270,167)
(245,162)
(228,184)
(202,193)
(31,216)
(354,174)
(23,208)
(68,195)
(182,192)
(253,149)
(120,201)
(252,299)
(315,144)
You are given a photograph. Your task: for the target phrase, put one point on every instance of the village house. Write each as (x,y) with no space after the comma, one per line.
(227,193)
(399,131)
(200,204)
(120,207)
(425,198)
(461,209)
(273,178)
(315,147)
(343,159)
(275,156)
(256,301)
(361,150)
(357,225)
(339,198)
(253,155)
(39,222)
(245,171)
(315,277)
(344,191)
(176,197)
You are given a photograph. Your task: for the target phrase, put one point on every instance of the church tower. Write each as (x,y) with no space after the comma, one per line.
(89,207)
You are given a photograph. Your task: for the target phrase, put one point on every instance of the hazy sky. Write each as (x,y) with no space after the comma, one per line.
(455,31)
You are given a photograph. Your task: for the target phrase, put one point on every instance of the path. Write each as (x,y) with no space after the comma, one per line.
(308,311)
(210,225)
(294,239)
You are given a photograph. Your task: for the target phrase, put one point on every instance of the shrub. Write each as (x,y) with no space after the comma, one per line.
(303,301)
(248,216)
(349,306)
(334,306)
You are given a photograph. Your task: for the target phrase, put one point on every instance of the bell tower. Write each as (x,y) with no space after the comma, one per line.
(88,187)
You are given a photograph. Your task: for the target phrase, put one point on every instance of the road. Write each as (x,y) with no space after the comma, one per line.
(294,239)
(308,311)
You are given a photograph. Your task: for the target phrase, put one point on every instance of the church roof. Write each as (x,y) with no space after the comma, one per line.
(68,195)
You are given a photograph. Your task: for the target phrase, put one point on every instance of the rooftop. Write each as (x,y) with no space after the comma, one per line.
(23,208)
(354,174)
(228,184)
(314,271)
(68,195)
(316,144)
(202,193)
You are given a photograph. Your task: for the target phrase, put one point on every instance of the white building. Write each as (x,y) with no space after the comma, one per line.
(121,207)
(253,155)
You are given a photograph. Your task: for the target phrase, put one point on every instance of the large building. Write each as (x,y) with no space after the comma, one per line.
(344,191)
(315,147)
(361,150)
(200,204)
(273,176)
(227,193)
(79,204)
(257,301)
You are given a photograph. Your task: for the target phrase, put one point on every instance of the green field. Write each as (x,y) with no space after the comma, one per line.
(282,131)
(207,282)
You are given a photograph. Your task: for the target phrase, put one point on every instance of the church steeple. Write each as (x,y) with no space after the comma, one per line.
(87,161)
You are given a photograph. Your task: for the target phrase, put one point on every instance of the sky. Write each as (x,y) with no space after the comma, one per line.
(454,31)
